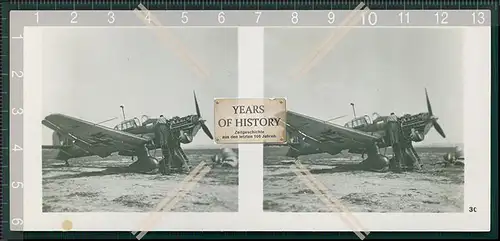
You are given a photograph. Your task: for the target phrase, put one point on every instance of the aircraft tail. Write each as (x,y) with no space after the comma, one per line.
(59,140)
(61,149)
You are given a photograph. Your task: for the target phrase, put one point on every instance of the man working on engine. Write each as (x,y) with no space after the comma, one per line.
(163,133)
(179,158)
(170,143)
(394,134)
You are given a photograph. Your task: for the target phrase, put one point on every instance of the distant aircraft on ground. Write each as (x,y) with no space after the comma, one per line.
(79,138)
(359,136)
(226,158)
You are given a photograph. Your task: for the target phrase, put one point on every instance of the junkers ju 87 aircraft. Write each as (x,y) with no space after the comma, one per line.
(79,138)
(362,135)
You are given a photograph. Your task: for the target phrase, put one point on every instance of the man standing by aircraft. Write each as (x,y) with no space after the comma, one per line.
(178,153)
(173,155)
(163,132)
(393,134)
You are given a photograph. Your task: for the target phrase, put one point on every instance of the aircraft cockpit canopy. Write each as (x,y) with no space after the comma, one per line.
(144,118)
(359,122)
(147,121)
(128,124)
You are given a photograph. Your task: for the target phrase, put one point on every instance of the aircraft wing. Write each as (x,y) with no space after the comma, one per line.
(320,133)
(93,138)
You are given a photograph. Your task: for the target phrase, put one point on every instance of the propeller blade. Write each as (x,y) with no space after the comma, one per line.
(198,113)
(429,107)
(431,115)
(196,105)
(438,128)
(207,131)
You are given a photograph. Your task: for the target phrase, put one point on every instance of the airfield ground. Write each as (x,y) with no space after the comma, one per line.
(84,187)
(434,189)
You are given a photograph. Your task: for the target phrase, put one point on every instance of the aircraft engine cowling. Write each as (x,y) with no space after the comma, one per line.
(185,138)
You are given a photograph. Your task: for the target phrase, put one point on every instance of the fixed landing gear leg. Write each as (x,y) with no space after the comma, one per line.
(418,162)
(375,161)
(411,159)
(144,163)
(186,168)
(66,163)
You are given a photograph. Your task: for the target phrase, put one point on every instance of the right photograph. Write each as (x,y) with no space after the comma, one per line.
(374,120)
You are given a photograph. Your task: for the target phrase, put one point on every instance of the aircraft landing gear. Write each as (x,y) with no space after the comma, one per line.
(144,163)
(411,158)
(375,161)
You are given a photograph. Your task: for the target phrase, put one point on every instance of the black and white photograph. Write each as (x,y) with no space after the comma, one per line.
(375,115)
(128,119)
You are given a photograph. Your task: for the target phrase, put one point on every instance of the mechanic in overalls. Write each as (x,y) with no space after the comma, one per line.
(180,158)
(163,132)
(394,134)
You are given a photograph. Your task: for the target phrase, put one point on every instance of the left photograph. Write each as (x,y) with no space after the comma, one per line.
(128,116)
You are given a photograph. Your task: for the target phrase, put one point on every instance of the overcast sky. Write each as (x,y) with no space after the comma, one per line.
(89,72)
(380,70)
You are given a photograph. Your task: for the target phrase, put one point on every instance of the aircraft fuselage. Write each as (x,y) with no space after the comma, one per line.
(188,125)
(414,128)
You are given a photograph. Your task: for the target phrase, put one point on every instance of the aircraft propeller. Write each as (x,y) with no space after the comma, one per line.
(432,117)
(202,122)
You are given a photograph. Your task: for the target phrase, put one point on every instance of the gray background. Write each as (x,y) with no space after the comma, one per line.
(89,72)
(380,70)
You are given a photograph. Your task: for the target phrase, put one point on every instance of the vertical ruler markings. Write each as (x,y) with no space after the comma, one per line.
(16,112)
